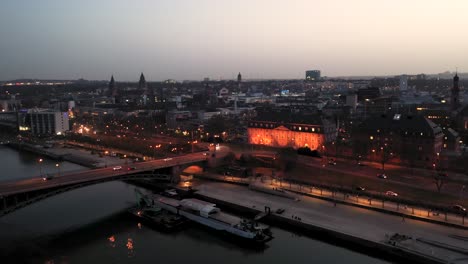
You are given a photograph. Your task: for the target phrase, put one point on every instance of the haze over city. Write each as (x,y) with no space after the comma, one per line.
(249,131)
(217,39)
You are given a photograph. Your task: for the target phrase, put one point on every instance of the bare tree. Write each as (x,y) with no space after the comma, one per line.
(440,179)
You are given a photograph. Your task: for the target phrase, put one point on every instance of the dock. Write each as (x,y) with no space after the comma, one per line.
(360,228)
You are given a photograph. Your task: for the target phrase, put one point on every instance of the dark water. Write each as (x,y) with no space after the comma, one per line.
(17,165)
(75,227)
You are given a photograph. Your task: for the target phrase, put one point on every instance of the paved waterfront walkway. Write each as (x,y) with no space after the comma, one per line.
(367,224)
(362,200)
(81,156)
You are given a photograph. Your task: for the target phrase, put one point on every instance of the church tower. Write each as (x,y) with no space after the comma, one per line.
(112,88)
(455,96)
(143,88)
(142,83)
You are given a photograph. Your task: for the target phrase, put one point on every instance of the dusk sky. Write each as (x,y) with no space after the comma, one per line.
(192,39)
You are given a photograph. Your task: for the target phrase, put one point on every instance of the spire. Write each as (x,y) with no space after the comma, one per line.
(239,77)
(112,87)
(455,81)
(111,83)
(455,92)
(142,82)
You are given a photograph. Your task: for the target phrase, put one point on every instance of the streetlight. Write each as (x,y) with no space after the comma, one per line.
(154,150)
(58,168)
(40,167)
(365,107)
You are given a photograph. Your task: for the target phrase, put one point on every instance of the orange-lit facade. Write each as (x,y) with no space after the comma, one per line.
(292,135)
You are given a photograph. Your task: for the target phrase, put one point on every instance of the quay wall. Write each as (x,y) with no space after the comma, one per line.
(90,163)
(365,246)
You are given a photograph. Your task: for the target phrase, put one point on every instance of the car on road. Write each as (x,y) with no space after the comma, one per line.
(116,168)
(167,159)
(382,176)
(131,168)
(47,178)
(459,209)
(361,164)
(206,154)
(360,188)
(390,193)
(332,162)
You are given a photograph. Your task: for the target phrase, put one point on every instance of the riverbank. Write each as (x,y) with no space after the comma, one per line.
(362,199)
(75,155)
(370,231)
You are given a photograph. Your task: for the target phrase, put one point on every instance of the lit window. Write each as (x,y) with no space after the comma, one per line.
(422,133)
(313,129)
(300,128)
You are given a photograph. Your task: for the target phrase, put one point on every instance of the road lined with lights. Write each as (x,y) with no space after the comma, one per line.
(38,183)
(417,181)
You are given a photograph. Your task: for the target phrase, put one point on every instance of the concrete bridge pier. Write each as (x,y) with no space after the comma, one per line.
(176,171)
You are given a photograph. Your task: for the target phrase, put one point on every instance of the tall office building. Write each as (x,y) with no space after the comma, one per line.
(44,122)
(312,75)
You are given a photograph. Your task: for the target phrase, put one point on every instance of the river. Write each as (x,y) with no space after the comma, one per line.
(76,227)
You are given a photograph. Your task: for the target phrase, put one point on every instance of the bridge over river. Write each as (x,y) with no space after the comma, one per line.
(20,193)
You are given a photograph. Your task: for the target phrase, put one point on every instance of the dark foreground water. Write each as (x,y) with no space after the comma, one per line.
(75,227)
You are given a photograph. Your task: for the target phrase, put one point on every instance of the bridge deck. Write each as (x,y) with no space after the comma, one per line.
(37,183)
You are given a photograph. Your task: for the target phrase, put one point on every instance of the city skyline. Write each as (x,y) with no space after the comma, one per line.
(197,39)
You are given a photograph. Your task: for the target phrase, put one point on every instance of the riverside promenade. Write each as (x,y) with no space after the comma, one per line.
(75,155)
(397,235)
(382,203)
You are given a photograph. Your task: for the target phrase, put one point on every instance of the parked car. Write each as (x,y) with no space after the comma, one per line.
(459,209)
(167,159)
(361,164)
(332,162)
(382,176)
(116,168)
(390,193)
(280,211)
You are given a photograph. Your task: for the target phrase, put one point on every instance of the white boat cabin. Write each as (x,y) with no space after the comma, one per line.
(204,208)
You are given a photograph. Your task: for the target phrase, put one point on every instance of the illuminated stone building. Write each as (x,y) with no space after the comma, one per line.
(289,128)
